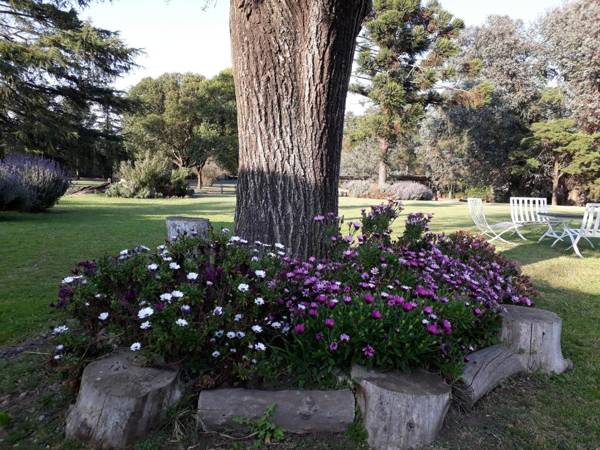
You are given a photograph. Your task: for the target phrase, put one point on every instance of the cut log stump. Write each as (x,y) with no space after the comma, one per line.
(534,334)
(188,226)
(297,411)
(401,410)
(120,401)
(485,370)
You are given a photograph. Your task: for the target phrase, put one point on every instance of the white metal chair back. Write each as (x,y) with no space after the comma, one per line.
(525,210)
(477,214)
(590,226)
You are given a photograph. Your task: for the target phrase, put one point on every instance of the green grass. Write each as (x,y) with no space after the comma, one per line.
(531,412)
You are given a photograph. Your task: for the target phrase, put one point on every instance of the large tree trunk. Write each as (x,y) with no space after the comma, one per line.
(384,148)
(198,172)
(555,183)
(292,61)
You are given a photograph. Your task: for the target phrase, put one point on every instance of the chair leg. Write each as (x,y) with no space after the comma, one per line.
(589,242)
(519,233)
(575,241)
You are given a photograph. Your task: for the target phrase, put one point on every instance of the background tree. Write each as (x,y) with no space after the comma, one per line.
(556,148)
(186,117)
(55,80)
(401,56)
(570,35)
(292,63)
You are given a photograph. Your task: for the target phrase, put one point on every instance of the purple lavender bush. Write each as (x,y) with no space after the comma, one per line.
(37,182)
(235,313)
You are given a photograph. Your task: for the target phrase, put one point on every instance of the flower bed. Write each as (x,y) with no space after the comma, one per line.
(233,312)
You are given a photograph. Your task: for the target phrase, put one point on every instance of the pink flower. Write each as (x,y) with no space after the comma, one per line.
(329,323)
(368,351)
(368,298)
(299,328)
(408,306)
(344,337)
(477,312)
(447,326)
(333,346)
(432,328)
(376,314)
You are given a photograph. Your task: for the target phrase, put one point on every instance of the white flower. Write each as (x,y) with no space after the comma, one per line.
(145,325)
(145,312)
(281,253)
(234,239)
(254,258)
(216,354)
(260,347)
(218,311)
(279,245)
(152,266)
(174,266)
(181,322)
(185,308)
(167,297)
(276,325)
(161,247)
(238,317)
(167,258)
(57,357)
(99,295)
(61,329)
(219,333)
(243,287)
(192,276)
(209,283)
(271,254)
(253,361)
(259,301)
(424,321)
(243,241)
(135,346)
(177,294)
(225,230)
(123,252)
(301,306)
(60,348)
(260,273)
(67,280)
(144,248)
(257,328)
(103,316)
(240,334)
(232,350)
(230,334)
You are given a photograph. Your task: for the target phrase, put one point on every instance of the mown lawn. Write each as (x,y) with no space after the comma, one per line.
(37,250)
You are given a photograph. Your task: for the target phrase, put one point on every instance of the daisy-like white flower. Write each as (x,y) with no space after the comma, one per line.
(254,258)
(123,252)
(161,247)
(257,328)
(145,325)
(230,334)
(240,334)
(181,322)
(68,280)
(192,276)
(232,350)
(234,239)
(166,296)
(225,230)
(238,317)
(243,287)
(218,311)
(60,348)
(219,333)
(99,296)
(174,266)
(259,301)
(57,357)
(276,325)
(177,294)
(216,354)
(260,273)
(60,329)
(243,241)
(135,346)
(209,283)
(152,267)
(145,312)
(260,347)
(185,308)
(279,245)
(167,258)
(103,316)
(281,253)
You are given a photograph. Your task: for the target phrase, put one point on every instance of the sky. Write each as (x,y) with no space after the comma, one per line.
(186,36)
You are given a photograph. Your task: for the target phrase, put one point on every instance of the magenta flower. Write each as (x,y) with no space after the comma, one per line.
(432,328)
(344,337)
(447,326)
(376,314)
(368,351)
(333,346)
(329,323)
(428,310)
(319,218)
(368,298)
(347,299)
(477,312)
(319,336)
(408,306)
(299,328)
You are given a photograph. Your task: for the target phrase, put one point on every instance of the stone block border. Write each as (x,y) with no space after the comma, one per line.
(120,401)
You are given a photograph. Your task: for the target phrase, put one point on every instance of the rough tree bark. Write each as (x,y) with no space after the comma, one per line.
(292,61)
(384,148)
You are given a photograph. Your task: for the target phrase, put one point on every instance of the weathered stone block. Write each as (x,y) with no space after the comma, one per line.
(120,401)
(189,226)
(401,410)
(534,334)
(297,411)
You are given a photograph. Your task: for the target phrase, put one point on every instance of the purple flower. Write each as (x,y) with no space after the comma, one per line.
(347,299)
(447,326)
(368,298)
(329,323)
(409,306)
(376,314)
(428,310)
(319,218)
(333,346)
(477,312)
(344,337)
(368,351)
(319,336)
(299,328)
(432,328)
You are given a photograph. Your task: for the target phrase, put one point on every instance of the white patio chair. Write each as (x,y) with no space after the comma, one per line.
(491,231)
(525,211)
(590,227)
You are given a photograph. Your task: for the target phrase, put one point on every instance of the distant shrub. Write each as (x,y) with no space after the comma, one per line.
(358,188)
(483,192)
(408,190)
(149,177)
(31,183)
(210,172)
